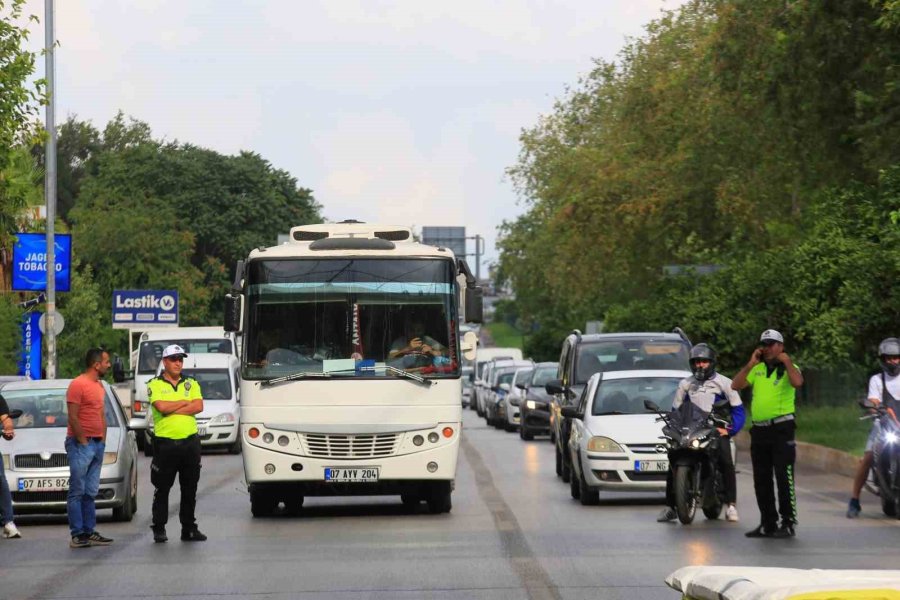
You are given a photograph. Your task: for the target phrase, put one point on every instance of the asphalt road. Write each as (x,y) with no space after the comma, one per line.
(514,532)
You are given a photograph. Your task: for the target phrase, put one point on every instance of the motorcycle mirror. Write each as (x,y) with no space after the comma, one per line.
(651,405)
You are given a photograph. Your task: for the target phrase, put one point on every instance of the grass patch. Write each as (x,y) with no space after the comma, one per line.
(504,335)
(834,426)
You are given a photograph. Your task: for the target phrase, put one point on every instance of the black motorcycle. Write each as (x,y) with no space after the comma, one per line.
(693,441)
(885,457)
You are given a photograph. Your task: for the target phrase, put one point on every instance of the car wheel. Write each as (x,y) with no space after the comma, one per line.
(525,435)
(587,496)
(574,488)
(124,513)
(566,469)
(558,460)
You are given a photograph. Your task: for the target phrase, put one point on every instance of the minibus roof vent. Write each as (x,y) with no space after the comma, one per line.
(351,243)
(396,235)
(309,236)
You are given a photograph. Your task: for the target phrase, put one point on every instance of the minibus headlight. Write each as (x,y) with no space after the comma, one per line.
(433,437)
(268,437)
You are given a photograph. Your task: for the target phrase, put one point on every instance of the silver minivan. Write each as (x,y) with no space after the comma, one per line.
(35,461)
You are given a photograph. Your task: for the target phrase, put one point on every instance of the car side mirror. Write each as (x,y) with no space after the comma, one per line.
(118,369)
(15,413)
(554,387)
(570,412)
(521,386)
(651,406)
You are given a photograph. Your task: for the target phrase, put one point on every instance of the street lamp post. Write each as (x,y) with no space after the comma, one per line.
(50,185)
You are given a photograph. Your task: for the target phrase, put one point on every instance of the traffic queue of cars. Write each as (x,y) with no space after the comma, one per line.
(591,403)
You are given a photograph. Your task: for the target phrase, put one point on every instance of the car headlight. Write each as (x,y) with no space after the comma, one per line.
(603,444)
(110,457)
(222,419)
(531,404)
(6,462)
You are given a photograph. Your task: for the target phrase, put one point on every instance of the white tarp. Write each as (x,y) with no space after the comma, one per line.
(766,583)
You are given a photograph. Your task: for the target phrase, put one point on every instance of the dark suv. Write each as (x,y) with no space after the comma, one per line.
(584,355)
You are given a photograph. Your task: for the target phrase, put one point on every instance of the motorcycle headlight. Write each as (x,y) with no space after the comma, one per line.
(531,404)
(890,437)
(603,444)
(695,443)
(222,419)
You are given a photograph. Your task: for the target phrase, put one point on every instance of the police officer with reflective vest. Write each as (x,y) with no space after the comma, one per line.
(774,379)
(175,400)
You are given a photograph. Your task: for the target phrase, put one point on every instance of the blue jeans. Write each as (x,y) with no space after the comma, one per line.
(6,508)
(84,484)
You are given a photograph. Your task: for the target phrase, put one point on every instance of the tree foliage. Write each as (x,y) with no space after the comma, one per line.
(734,132)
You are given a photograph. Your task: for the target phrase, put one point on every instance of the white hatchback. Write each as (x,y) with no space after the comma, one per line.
(615,443)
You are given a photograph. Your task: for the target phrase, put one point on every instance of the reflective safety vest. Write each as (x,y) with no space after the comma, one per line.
(175,427)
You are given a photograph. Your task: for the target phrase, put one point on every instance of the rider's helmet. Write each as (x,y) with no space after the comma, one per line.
(703,352)
(889,347)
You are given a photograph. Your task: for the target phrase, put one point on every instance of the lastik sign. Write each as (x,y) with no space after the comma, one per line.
(134,309)
(29,265)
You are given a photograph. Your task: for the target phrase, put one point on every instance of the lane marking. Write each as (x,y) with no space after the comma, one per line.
(534,578)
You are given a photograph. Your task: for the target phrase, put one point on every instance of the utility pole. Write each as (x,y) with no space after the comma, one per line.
(50,184)
(479,250)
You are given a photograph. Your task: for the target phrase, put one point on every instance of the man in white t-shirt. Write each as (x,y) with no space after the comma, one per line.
(882,386)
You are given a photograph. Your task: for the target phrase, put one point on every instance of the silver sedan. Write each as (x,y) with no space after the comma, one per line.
(36,464)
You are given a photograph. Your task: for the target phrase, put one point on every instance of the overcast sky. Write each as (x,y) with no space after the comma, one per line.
(404,112)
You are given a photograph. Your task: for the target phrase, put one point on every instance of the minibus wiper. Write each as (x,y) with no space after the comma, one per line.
(310,375)
(296,376)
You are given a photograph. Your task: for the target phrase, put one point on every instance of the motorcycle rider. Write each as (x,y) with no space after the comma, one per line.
(710,392)
(883,387)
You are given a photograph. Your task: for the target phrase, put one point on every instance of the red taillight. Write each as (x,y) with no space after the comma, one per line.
(137,406)
(448,432)
(253,433)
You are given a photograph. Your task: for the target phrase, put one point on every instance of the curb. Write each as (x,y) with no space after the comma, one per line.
(816,457)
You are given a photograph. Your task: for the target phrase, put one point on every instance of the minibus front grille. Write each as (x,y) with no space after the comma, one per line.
(350,446)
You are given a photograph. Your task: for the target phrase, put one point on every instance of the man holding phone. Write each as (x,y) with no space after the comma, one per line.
(774,379)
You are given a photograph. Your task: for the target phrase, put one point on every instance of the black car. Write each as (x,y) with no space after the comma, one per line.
(584,355)
(535,410)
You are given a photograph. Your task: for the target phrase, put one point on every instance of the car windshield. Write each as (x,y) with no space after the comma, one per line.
(629,354)
(215,384)
(505,377)
(542,375)
(627,396)
(151,351)
(351,317)
(523,376)
(47,408)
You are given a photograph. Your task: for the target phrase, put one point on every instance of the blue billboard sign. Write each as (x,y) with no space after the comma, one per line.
(30,358)
(134,309)
(29,268)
